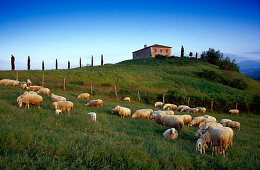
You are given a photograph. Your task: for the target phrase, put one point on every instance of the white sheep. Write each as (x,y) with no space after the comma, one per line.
(205,121)
(23,85)
(4,81)
(192,110)
(158,104)
(35,88)
(232,124)
(84,96)
(44,91)
(181,107)
(234,112)
(203,129)
(55,98)
(200,146)
(170,106)
(196,120)
(58,111)
(95,103)
(63,105)
(30,99)
(26,92)
(185,118)
(172,121)
(93,116)
(202,109)
(142,113)
(127,99)
(171,133)
(185,108)
(211,117)
(12,83)
(122,111)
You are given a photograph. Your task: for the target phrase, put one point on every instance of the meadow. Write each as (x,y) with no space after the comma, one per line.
(39,139)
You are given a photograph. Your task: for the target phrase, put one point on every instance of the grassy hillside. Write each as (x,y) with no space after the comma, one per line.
(40,139)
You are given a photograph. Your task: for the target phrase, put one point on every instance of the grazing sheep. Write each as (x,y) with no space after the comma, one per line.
(35,88)
(142,113)
(185,118)
(222,121)
(205,121)
(232,124)
(168,112)
(12,83)
(200,146)
(4,81)
(58,112)
(29,83)
(84,96)
(206,138)
(170,106)
(234,112)
(192,110)
(172,121)
(171,134)
(26,92)
(55,98)
(181,107)
(114,111)
(126,99)
(185,108)
(93,116)
(201,109)
(196,121)
(123,111)
(221,137)
(63,105)
(95,103)
(159,112)
(158,104)
(211,117)
(44,91)
(30,99)
(202,130)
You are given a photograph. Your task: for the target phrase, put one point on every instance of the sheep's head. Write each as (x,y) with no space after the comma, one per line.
(20,103)
(134,116)
(117,108)
(55,105)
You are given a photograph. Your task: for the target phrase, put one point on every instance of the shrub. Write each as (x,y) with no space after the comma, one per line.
(210,75)
(239,84)
(226,64)
(159,56)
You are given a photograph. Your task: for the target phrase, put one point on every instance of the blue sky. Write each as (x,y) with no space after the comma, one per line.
(67,30)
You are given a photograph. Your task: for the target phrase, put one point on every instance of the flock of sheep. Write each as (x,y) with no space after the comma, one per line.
(219,135)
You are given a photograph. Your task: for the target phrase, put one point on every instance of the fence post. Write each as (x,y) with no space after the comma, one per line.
(236,105)
(64,83)
(188,101)
(115,92)
(16,75)
(42,80)
(138,93)
(211,107)
(163,99)
(91,90)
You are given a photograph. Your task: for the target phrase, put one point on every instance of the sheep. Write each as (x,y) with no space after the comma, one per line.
(211,117)
(158,104)
(192,110)
(29,83)
(222,121)
(142,113)
(4,81)
(200,146)
(172,121)
(185,118)
(205,121)
(93,116)
(185,108)
(58,112)
(114,111)
(123,111)
(196,121)
(168,112)
(26,92)
(206,137)
(30,99)
(202,109)
(203,129)
(55,98)
(232,124)
(95,103)
(126,99)
(35,88)
(170,106)
(84,96)
(221,137)
(23,85)
(159,112)
(171,134)
(234,112)
(12,83)
(63,105)
(44,91)
(181,107)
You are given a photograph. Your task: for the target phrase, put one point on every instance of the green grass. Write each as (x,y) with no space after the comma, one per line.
(40,139)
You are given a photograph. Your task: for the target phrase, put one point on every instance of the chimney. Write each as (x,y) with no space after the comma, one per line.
(145,46)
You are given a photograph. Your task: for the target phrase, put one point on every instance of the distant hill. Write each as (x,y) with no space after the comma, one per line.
(250,68)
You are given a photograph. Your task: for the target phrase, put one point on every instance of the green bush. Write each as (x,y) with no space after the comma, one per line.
(159,56)
(210,75)
(226,64)
(239,84)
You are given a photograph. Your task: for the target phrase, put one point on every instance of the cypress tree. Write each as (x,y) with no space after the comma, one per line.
(182,51)
(80,62)
(92,61)
(68,64)
(42,64)
(190,54)
(56,64)
(102,60)
(12,62)
(28,63)
(196,55)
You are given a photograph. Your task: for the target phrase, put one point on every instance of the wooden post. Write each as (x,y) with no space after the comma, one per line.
(139,96)
(211,107)
(42,80)
(163,99)
(91,90)
(115,92)
(64,84)
(236,105)
(188,101)
(16,75)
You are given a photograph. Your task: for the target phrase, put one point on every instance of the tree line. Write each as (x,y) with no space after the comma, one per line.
(56,63)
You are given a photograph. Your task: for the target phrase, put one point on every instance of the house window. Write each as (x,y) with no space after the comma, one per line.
(166,50)
(161,50)
(155,50)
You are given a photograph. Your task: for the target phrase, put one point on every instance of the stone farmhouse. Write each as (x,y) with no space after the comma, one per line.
(152,51)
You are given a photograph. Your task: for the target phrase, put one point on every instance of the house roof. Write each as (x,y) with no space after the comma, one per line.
(155,45)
